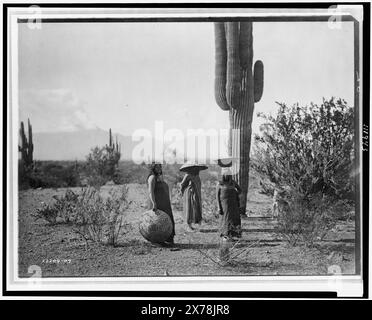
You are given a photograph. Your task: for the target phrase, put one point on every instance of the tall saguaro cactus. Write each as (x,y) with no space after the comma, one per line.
(27,147)
(237,88)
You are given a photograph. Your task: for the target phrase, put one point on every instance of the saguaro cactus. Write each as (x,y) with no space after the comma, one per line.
(27,147)
(113,153)
(114,146)
(237,88)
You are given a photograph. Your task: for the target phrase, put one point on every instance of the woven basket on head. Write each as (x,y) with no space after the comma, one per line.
(155,226)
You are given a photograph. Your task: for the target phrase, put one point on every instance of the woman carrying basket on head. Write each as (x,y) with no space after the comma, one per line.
(191,192)
(227,193)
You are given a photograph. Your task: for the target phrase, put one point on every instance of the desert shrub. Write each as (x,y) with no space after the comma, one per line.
(92,216)
(117,177)
(23,176)
(130,172)
(49,175)
(309,148)
(66,206)
(63,207)
(100,219)
(101,165)
(96,181)
(308,151)
(64,175)
(307,220)
(46,212)
(70,175)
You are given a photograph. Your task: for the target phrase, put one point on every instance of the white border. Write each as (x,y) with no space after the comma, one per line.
(344,285)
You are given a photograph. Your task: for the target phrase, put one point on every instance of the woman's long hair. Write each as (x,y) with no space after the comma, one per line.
(152,171)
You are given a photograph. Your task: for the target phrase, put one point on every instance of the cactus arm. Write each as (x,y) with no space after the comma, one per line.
(23,136)
(220,66)
(30,143)
(23,142)
(110,138)
(258,80)
(27,147)
(117,145)
(245,44)
(234,74)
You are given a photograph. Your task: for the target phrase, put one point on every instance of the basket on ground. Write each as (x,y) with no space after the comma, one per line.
(155,226)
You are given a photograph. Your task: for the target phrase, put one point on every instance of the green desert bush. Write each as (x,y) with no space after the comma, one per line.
(309,153)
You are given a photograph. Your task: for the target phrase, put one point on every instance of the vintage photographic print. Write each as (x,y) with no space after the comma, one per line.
(184,144)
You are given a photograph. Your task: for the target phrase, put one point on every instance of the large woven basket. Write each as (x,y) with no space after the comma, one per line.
(155,226)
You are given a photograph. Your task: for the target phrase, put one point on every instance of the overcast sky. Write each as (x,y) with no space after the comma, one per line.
(128,75)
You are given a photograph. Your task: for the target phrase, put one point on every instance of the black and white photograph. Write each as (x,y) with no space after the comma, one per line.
(185,145)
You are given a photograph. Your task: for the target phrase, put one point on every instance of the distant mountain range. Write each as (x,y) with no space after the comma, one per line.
(76,145)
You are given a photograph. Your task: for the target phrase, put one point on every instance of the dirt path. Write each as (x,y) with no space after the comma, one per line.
(60,252)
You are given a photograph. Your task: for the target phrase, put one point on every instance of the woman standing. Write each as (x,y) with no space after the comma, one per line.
(228,205)
(159,195)
(191,192)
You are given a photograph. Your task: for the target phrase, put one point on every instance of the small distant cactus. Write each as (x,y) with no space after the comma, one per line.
(113,150)
(237,88)
(103,162)
(27,147)
(114,147)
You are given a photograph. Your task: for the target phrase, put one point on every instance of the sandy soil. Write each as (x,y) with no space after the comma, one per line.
(60,252)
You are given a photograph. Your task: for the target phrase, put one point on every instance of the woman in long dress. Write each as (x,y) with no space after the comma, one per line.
(191,192)
(228,205)
(159,195)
